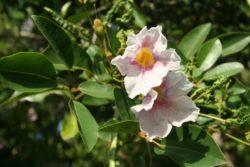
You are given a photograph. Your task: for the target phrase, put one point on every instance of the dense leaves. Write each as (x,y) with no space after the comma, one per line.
(74,67)
(192,146)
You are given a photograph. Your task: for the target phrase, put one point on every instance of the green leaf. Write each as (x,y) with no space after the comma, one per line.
(123,104)
(98,90)
(27,72)
(57,38)
(192,41)
(94,51)
(81,59)
(209,54)
(225,69)
(234,42)
(140,19)
(234,102)
(88,126)
(237,89)
(93,101)
(113,40)
(192,146)
(69,127)
(127,126)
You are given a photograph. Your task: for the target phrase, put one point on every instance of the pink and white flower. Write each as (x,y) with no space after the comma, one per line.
(146,61)
(166,106)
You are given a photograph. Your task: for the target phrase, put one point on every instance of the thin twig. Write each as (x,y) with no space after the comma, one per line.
(213,117)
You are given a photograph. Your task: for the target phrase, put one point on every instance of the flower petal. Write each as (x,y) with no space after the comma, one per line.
(132,39)
(170,58)
(177,81)
(143,82)
(147,102)
(181,109)
(123,63)
(154,123)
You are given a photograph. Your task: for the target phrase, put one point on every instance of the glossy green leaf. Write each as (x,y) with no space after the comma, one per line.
(192,146)
(27,72)
(88,126)
(57,38)
(96,89)
(225,69)
(234,42)
(209,54)
(127,126)
(93,101)
(192,41)
(122,103)
(69,127)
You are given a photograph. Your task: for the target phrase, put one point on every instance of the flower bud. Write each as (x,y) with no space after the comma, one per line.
(98,27)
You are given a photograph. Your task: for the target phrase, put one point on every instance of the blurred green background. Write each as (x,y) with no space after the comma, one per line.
(30,131)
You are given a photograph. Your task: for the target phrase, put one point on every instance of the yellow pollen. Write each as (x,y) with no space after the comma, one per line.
(145,58)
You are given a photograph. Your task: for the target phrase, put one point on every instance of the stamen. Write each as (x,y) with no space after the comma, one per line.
(145,58)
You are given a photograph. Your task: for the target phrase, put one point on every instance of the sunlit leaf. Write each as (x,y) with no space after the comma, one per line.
(234,42)
(192,41)
(225,69)
(69,127)
(209,54)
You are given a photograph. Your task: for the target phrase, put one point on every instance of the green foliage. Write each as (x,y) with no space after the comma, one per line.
(27,72)
(234,42)
(98,90)
(75,68)
(88,126)
(191,42)
(209,54)
(123,104)
(127,126)
(57,38)
(226,70)
(69,127)
(192,146)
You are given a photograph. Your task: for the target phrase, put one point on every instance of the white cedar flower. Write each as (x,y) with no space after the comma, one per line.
(146,61)
(166,106)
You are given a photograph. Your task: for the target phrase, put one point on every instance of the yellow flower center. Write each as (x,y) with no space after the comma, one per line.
(145,58)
